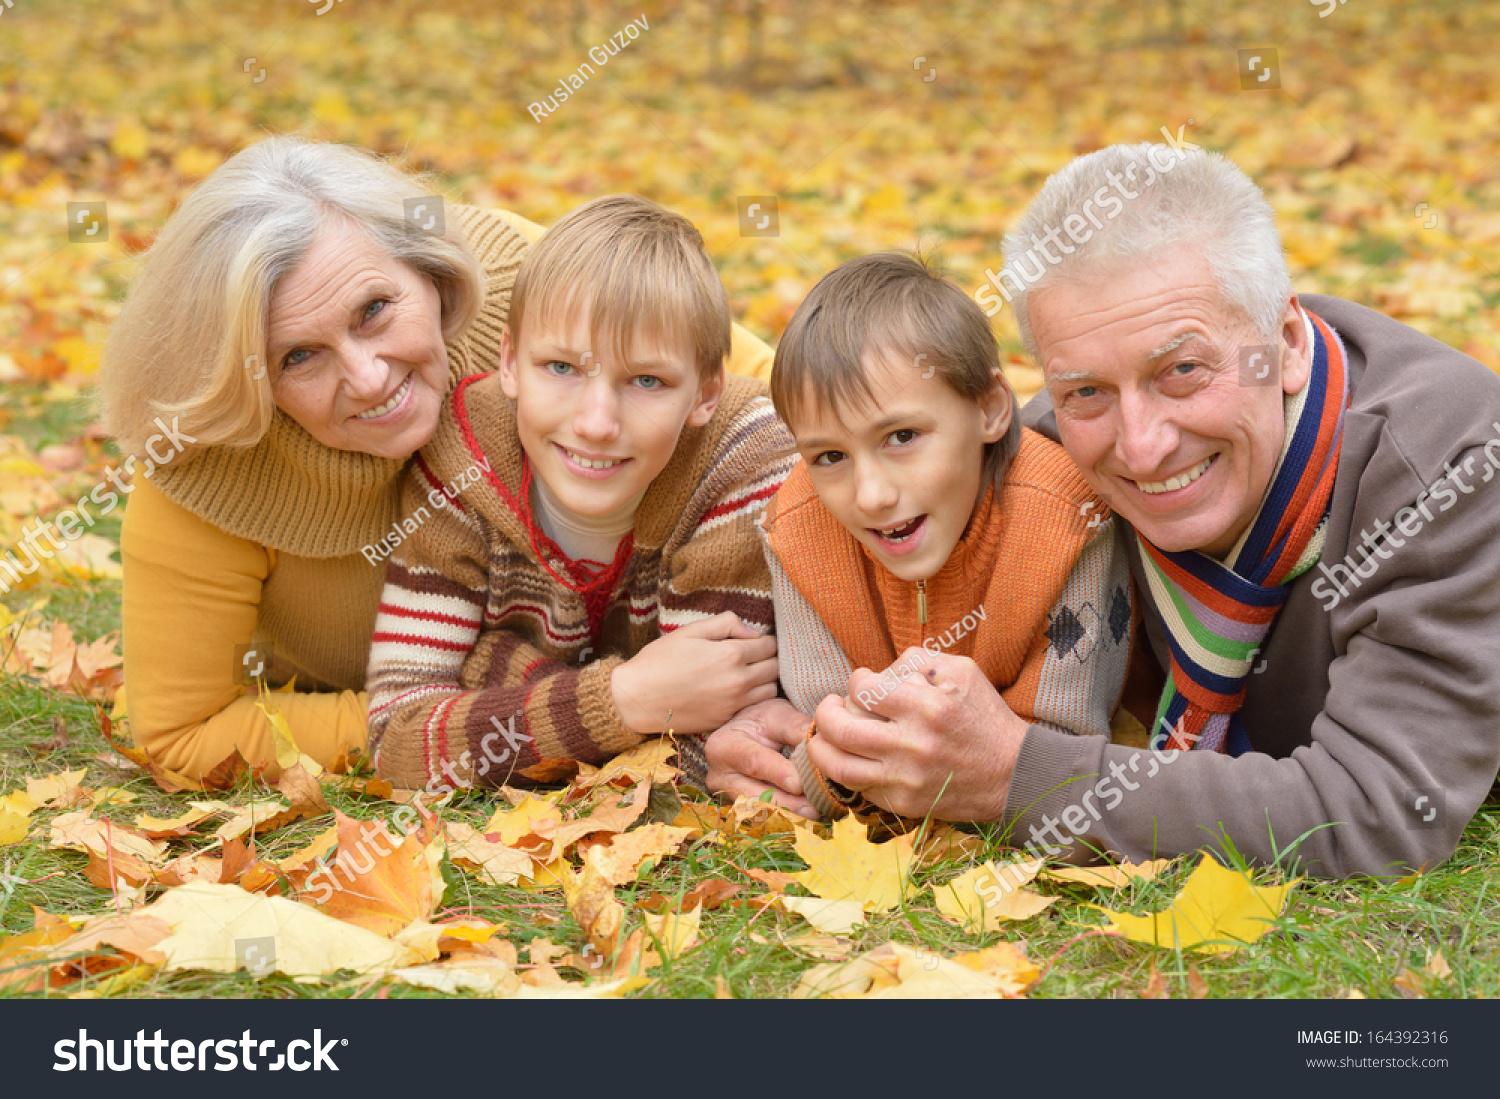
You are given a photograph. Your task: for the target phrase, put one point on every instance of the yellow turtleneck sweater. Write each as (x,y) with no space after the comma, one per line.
(258,552)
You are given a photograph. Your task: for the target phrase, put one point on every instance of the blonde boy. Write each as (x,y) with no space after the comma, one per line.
(585,569)
(921,520)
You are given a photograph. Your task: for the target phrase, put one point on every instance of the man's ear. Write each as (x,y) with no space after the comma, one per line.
(1296,358)
(508,365)
(709,393)
(998,406)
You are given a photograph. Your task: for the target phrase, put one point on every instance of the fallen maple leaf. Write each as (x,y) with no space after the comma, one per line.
(495,862)
(708,895)
(58,791)
(1217,911)
(208,920)
(834,917)
(849,867)
(1110,877)
(591,898)
(13,826)
(895,971)
(974,901)
(534,815)
(621,856)
(378,882)
(646,762)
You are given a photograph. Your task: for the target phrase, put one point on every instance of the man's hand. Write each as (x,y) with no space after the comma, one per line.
(948,747)
(744,757)
(701,675)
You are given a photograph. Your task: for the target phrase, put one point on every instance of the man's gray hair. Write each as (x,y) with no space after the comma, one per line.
(1180,196)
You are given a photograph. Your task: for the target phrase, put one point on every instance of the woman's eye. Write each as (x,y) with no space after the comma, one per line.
(828,458)
(296,358)
(902,437)
(375,308)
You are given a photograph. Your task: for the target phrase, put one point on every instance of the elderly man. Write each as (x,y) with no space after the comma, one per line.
(1315,541)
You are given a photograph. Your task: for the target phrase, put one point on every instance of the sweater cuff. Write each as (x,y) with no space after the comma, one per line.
(596,709)
(1052,773)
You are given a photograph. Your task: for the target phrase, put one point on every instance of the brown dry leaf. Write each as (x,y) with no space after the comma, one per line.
(850,867)
(1110,877)
(775,880)
(548,771)
(945,843)
(494,862)
(1438,966)
(302,788)
(758,819)
(1156,986)
(1197,986)
(609,817)
(721,988)
(591,899)
(977,901)
(708,894)
(620,858)
(378,882)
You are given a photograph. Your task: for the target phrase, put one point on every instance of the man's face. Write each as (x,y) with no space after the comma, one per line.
(903,474)
(598,431)
(1143,366)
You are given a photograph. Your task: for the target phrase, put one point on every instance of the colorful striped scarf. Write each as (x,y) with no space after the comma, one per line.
(1217,616)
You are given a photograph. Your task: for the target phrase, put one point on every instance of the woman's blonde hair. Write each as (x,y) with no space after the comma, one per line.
(190,341)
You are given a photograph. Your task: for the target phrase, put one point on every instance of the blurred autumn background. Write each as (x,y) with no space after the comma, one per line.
(876,125)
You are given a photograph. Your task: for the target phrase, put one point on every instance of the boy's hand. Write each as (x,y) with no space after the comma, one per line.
(948,744)
(744,756)
(701,675)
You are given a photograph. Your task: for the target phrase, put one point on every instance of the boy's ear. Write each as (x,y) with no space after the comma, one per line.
(709,393)
(997,407)
(508,365)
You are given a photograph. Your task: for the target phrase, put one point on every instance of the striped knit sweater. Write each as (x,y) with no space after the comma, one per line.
(492,651)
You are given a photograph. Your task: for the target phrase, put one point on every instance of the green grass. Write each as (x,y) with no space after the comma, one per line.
(1334,937)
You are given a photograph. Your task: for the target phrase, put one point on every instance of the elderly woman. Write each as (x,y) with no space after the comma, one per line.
(298,331)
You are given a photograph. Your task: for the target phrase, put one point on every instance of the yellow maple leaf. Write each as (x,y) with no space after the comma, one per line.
(512,824)
(1218,911)
(12,827)
(849,867)
(1110,877)
(975,901)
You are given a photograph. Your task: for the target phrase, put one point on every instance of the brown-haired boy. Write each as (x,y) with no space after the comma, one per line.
(922,517)
(584,559)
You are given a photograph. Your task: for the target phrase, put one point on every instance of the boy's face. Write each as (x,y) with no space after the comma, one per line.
(597,431)
(904,474)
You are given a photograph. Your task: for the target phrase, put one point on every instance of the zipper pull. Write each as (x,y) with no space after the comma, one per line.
(922,602)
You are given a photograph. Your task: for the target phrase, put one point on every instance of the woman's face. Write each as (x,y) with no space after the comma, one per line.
(356,347)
